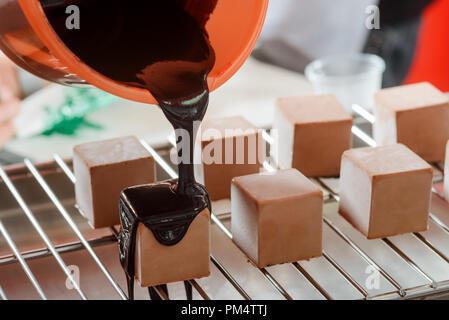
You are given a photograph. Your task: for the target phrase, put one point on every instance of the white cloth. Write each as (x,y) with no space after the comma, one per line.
(317,28)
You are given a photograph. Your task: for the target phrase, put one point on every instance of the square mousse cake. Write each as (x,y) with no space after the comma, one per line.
(172,235)
(385,191)
(102,170)
(277,217)
(230,147)
(415,115)
(311,134)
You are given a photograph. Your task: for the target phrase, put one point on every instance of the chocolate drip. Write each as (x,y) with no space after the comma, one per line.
(154,295)
(188,287)
(161,208)
(162,46)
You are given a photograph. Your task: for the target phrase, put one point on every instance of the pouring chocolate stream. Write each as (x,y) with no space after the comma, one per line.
(161,46)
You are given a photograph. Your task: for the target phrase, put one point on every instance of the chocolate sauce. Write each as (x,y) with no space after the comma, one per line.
(161,208)
(161,46)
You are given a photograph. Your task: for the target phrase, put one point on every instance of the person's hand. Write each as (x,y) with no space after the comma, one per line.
(9,99)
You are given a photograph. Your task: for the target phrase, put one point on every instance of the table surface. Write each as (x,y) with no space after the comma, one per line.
(251,93)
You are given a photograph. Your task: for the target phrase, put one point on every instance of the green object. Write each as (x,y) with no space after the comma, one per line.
(71,115)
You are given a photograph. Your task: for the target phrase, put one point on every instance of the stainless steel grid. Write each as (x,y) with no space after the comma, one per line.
(408,266)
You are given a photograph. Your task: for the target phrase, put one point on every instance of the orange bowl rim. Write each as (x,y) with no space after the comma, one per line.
(41,26)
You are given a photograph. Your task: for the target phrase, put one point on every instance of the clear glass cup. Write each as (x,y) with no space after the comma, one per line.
(352,78)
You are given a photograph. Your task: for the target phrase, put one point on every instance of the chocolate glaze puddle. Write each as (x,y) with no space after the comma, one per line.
(162,46)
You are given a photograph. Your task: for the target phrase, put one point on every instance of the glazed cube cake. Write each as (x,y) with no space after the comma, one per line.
(415,115)
(172,241)
(102,170)
(230,147)
(311,133)
(158,264)
(277,217)
(385,191)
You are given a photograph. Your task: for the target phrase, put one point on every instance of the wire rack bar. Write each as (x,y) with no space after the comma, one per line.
(401,291)
(346,275)
(73,226)
(62,248)
(173,175)
(198,288)
(270,168)
(365,256)
(2,294)
(272,276)
(40,231)
(365,114)
(217,221)
(410,262)
(312,281)
(22,262)
(230,278)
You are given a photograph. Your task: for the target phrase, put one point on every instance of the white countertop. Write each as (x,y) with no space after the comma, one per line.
(251,93)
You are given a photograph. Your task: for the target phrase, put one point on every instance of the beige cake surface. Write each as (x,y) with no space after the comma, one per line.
(230,147)
(158,264)
(416,115)
(312,132)
(277,217)
(102,170)
(385,191)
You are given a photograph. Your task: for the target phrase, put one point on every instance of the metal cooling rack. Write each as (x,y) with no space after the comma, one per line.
(46,247)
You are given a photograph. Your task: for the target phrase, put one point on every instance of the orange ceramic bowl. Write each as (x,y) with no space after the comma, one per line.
(28,39)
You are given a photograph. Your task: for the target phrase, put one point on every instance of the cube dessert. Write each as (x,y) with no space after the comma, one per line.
(277,217)
(102,170)
(385,191)
(230,147)
(311,133)
(446,174)
(416,115)
(165,235)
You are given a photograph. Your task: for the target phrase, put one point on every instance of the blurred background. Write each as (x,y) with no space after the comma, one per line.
(38,119)
(410,36)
